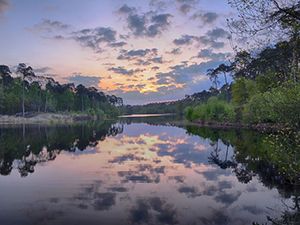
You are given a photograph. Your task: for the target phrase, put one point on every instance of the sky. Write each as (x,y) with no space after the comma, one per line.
(141,50)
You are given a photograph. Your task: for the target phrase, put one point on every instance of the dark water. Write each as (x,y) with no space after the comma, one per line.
(147,172)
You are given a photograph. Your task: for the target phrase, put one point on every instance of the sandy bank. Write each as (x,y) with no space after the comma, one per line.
(45,118)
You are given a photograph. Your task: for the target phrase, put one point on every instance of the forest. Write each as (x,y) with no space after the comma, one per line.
(266,80)
(27,94)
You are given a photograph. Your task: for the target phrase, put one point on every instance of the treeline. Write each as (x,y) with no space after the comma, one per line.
(266,85)
(28,93)
(176,107)
(265,89)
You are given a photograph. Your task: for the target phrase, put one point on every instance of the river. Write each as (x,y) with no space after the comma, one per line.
(144,171)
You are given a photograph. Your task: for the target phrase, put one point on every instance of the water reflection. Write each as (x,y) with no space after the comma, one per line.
(133,172)
(24,147)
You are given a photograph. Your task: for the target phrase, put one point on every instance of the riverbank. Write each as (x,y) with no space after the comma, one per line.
(262,127)
(46,118)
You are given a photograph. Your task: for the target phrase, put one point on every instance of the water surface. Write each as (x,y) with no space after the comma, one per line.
(133,172)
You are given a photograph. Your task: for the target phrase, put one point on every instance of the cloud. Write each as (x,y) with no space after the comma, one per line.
(185,40)
(137,24)
(227,198)
(159,23)
(185,6)
(210,38)
(88,81)
(42,69)
(175,51)
(125,9)
(4,4)
(59,37)
(206,18)
(118,44)
(183,74)
(149,60)
(216,217)
(118,189)
(158,60)
(123,71)
(93,38)
(190,192)
(104,201)
(217,33)
(159,5)
(209,54)
(126,158)
(141,62)
(50,26)
(145,25)
(211,42)
(253,209)
(135,54)
(153,210)
(187,1)
(154,68)
(180,80)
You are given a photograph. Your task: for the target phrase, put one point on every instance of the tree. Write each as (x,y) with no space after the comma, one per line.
(268,21)
(81,91)
(224,69)
(37,92)
(5,78)
(24,71)
(213,76)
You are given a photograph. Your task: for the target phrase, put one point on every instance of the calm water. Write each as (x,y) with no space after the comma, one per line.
(133,172)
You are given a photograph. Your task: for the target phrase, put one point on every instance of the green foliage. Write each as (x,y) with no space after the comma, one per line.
(213,110)
(188,112)
(241,90)
(266,84)
(280,105)
(53,98)
(273,156)
(267,81)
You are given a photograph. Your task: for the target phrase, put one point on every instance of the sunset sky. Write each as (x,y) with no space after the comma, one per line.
(141,50)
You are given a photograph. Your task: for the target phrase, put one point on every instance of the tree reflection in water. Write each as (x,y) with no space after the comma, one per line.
(274,158)
(24,147)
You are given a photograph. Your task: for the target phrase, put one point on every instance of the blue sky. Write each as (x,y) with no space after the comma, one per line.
(142,50)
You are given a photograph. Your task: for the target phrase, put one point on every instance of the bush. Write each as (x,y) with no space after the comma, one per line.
(213,110)
(280,105)
(188,112)
(242,89)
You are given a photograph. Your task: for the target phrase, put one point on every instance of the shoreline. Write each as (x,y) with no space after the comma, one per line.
(71,118)
(263,127)
(46,118)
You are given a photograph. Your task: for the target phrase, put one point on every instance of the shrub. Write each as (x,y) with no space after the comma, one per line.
(242,90)
(213,110)
(279,105)
(188,113)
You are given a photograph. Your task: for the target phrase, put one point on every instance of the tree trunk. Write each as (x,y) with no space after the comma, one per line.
(23,100)
(46,102)
(2,97)
(225,77)
(40,101)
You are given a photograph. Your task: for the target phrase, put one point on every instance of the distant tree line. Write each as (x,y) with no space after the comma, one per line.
(177,107)
(27,93)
